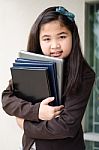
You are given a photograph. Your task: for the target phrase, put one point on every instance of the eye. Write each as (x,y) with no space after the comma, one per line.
(46,39)
(63,36)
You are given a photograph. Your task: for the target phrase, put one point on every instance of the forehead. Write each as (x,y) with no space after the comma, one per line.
(53,26)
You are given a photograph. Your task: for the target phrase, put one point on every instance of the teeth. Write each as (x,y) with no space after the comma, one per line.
(56,54)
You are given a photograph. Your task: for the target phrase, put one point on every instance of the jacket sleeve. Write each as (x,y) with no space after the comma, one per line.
(69,122)
(15,106)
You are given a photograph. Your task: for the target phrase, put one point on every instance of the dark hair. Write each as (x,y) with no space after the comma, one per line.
(74,60)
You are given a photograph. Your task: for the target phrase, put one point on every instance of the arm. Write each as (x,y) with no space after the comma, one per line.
(15,106)
(46,112)
(22,109)
(68,124)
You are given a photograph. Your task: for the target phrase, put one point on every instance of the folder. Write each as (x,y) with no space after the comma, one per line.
(31,84)
(51,72)
(59,66)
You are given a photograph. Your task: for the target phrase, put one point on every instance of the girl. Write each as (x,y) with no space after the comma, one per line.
(55,34)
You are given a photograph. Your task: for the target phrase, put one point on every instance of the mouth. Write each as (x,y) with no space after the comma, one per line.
(56,53)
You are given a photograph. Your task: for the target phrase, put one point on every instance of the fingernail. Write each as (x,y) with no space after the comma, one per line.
(53,98)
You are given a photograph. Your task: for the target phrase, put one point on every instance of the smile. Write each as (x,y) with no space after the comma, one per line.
(56,53)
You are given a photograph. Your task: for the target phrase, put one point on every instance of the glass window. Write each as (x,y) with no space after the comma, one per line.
(92,56)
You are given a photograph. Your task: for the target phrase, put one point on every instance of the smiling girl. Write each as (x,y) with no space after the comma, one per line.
(55,34)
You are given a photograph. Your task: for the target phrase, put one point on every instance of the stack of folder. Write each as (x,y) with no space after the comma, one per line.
(36,77)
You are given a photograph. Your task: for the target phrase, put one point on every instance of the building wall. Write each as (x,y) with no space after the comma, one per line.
(16,18)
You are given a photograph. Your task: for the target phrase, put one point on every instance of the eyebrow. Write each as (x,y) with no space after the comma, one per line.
(57,34)
(62,33)
(45,36)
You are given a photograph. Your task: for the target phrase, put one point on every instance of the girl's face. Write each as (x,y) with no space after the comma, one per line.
(55,39)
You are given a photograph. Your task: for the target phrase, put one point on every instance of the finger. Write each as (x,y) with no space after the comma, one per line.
(48,100)
(57,113)
(57,108)
(57,116)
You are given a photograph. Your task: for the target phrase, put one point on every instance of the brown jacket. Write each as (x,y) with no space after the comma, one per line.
(64,132)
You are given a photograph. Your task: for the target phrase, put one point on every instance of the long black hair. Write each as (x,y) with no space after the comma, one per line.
(73,63)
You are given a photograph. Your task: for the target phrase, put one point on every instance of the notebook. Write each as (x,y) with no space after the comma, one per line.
(58,61)
(51,72)
(31,84)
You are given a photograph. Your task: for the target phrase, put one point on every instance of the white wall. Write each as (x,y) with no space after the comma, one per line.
(16,18)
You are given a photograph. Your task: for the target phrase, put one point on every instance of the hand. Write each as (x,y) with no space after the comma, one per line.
(47,112)
(20,122)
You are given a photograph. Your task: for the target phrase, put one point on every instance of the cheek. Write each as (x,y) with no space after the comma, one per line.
(44,48)
(67,47)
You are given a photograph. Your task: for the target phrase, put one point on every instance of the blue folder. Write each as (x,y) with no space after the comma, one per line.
(27,63)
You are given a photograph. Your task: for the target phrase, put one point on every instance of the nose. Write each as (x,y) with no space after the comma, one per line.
(55,44)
